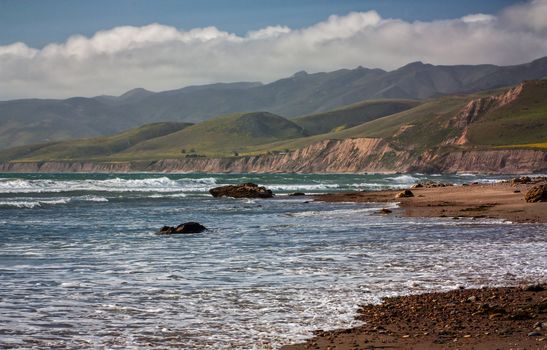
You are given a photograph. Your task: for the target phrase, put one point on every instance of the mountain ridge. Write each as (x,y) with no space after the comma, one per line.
(28,121)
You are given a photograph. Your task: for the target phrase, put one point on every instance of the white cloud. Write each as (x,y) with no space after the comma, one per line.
(160,57)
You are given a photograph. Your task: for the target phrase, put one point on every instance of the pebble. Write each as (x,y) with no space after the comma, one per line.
(534,334)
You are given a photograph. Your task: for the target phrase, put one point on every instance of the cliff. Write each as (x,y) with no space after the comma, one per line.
(329,156)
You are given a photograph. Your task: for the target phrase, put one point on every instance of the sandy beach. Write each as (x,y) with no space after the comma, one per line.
(495,201)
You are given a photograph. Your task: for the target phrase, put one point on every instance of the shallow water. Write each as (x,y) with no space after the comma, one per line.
(80,266)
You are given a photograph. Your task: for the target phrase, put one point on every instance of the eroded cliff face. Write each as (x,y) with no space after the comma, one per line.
(474,109)
(330,156)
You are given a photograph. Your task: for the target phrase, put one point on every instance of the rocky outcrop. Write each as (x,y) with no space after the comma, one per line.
(186,228)
(405,194)
(246,190)
(538,193)
(502,161)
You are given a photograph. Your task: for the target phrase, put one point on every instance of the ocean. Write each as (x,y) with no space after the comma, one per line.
(81,267)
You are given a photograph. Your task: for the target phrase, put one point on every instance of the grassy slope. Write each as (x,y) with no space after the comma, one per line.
(92,148)
(352,115)
(523,122)
(218,137)
(422,123)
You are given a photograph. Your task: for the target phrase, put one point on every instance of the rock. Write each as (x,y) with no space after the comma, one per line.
(418,185)
(186,228)
(246,190)
(533,288)
(385,211)
(405,194)
(521,180)
(295,194)
(534,334)
(538,193)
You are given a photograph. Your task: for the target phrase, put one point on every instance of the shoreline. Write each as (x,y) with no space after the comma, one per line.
(487,318)
(504,201)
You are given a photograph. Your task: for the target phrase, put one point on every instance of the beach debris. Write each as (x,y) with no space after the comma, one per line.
(186,228)
(405,194)
(296,194)
(245,190)
(538,193)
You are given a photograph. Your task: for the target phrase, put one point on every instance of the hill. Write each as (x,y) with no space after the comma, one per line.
(225,135)
(347,117)
(94,147)
(31,120)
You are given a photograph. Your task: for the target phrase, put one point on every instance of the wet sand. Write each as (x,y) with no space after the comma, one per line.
(489,318)
(496,201)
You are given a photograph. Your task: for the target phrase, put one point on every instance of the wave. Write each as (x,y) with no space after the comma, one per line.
(30,203)
(404,179)
(302,187)
(161,184)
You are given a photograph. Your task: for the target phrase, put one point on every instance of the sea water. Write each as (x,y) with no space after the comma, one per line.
(81,267)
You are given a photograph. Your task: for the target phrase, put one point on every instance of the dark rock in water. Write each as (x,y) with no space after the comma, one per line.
(295,194)
(246,190)
(538,193)
(385,211)
(418,185)
(187,227)
(405,194)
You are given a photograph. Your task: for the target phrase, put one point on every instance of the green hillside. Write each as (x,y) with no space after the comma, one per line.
(226,135)
(98,147)
(421,125)
(352,115)
(522,122)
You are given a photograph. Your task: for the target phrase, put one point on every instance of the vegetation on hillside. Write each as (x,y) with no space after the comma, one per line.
(521,123)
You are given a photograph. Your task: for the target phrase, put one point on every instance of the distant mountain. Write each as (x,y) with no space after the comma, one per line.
(32,120)
(509,119)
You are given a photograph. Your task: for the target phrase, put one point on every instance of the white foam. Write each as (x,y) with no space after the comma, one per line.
(302,187)
(161,184)
(404,179)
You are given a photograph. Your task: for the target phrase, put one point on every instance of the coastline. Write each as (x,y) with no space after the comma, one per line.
(502,201)
(487,318)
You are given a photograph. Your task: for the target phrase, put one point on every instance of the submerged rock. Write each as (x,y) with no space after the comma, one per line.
(296,194)
(538,193)
(405,194)
(246,190)
(385,211)
(187,227)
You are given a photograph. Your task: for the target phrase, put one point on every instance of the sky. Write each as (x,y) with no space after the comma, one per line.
(57,49)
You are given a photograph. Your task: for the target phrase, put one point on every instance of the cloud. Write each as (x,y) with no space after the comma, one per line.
(160,57)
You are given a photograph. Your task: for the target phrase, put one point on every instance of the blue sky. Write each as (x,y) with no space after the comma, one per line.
(39,22)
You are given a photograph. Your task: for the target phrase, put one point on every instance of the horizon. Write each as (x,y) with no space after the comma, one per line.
(161,56)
